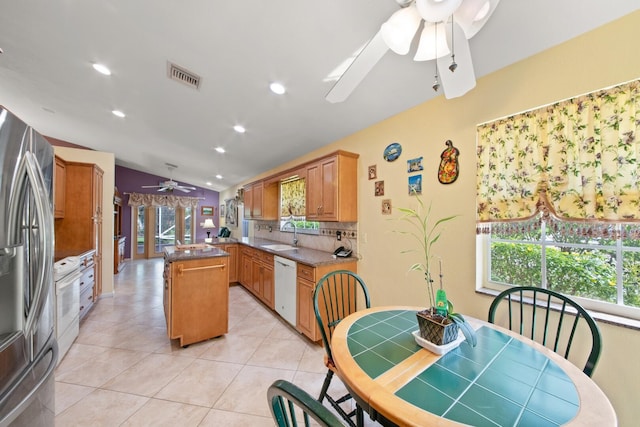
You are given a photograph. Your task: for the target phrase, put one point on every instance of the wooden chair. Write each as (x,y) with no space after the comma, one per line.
(547,317)
(289,402)
(334,298)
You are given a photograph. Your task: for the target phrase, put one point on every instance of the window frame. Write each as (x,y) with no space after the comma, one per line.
(621,312)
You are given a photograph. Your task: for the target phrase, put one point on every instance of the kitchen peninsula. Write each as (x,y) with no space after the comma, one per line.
(196,292)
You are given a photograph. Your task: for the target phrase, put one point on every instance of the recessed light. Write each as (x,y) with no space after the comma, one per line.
(239,129)
(209,183)
(102,69)
(220,149)
(277,88)
(219,176)
(118,113)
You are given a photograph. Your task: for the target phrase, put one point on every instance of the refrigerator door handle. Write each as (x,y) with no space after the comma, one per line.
(29,171)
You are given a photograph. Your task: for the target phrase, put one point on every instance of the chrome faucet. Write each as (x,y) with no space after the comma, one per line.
(295,231)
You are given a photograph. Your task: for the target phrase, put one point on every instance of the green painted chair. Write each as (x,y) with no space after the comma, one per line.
(554,321)
(334,298)
(288,403)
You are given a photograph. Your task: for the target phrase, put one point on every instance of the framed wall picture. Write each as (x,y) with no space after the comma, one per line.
(414,165)
(222,206)
(207,210)
(373,172)
(379,188)
(415,184)
(386,207)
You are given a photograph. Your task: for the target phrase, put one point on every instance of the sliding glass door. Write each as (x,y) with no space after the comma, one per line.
(157,227)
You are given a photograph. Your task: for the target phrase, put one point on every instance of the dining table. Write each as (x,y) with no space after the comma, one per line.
(505,380)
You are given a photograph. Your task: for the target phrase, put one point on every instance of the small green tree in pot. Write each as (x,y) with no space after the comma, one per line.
(438,323)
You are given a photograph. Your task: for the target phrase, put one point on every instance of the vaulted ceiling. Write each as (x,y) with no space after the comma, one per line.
(236,48)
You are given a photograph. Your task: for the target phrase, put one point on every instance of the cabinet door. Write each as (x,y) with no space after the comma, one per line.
(258,194)
(267,286)
(245,270)
(248,202)
(256,277)
(232,250)
(59,187)
(306,320)
(322,190)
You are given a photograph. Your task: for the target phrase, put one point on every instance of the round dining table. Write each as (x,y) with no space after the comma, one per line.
(506,379)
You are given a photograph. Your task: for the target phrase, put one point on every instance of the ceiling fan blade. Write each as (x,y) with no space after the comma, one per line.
(358,70)
(150,186)
(461,81)
(183,189)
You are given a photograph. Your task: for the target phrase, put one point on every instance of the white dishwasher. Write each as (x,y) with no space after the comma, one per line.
(285,288)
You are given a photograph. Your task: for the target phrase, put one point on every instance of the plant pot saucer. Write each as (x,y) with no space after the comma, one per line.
(437,349)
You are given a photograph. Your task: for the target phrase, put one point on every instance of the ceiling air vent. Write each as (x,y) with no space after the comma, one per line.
(183,75)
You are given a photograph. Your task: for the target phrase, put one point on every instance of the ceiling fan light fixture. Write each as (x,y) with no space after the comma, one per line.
(400,29)
(427,47)
(473,14)
(437,10)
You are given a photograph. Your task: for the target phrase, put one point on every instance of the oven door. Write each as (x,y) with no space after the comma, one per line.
(67,302)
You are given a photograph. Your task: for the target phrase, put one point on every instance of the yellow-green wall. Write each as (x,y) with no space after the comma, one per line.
(601,58)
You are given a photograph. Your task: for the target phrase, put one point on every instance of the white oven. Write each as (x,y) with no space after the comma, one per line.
(67,278)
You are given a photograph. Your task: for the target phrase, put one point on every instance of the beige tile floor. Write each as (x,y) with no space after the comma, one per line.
(122,370)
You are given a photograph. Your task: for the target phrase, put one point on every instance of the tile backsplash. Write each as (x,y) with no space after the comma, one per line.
(326,240)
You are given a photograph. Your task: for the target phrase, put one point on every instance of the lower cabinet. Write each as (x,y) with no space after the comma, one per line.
(232,250)
(119,245)
(87,281)
(196,299)
(308,276)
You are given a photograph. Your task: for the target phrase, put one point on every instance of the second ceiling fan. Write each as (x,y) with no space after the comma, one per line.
(170,184)
(447,26)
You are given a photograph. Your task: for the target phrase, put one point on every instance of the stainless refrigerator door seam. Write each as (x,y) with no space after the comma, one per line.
(30,170)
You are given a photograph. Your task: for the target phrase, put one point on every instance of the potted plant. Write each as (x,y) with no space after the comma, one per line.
(438,323)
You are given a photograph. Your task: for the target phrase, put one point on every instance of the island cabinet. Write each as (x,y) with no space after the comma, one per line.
(307,277)
(261,200)
(196,294)
(331,188)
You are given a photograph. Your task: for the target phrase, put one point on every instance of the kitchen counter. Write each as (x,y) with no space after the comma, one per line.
(311,257)
(196,251)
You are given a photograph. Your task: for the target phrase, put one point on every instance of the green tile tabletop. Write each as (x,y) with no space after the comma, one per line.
(506,380)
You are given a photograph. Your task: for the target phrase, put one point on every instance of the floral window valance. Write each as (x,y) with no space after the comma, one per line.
(139,199)
(578,159)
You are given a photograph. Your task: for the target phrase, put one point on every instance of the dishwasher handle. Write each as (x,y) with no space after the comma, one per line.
(284,264)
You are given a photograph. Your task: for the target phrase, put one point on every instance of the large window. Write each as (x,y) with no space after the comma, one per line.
(558,199)
(601,271)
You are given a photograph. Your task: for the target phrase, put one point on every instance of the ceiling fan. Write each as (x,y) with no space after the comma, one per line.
(447,26)
(170,184)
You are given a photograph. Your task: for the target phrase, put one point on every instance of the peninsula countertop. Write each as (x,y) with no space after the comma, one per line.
(195,251)
(311,257)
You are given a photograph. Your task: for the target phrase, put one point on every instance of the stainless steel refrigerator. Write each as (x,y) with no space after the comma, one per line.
(28,350)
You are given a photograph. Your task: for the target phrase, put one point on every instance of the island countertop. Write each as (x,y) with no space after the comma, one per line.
(188,252)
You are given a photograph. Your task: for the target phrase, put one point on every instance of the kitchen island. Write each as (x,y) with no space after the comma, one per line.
(196,292)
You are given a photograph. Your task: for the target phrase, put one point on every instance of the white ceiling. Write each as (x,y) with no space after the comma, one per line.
(237,47)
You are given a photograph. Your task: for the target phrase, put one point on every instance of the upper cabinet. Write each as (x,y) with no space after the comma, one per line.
(59,178)
(261,201)
(332,189)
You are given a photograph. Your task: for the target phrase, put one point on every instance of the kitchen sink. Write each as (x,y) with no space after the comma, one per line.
(279,247)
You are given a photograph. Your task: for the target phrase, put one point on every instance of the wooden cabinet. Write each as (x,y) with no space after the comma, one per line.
(256,274)
(233,251)
(196,299)
(261,200)
(81,227)
(307,277)
(59,184)
(87,281)
(119,245)
(331,188)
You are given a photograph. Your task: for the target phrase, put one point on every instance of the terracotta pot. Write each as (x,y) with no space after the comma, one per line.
(437,329)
